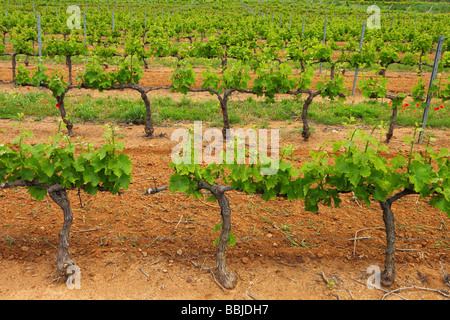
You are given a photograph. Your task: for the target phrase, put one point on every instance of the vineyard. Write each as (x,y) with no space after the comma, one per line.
(92,92)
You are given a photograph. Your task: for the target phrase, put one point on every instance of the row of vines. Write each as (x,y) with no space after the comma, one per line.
(257,56)
(359,165)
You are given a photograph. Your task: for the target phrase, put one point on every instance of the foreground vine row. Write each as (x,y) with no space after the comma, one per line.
(281,58)
(356,165)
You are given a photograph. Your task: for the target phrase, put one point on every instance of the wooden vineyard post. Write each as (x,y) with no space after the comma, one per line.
(85,39)
(145,25)
(433,76)
(303,27)
(357,67)
(39,35)
(407,9)
(324,37)
(389,9)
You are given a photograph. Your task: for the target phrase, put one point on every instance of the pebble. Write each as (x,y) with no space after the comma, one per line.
(245,260)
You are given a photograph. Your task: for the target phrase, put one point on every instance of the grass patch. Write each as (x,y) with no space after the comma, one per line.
(360,111)
(121,109)
(38,104)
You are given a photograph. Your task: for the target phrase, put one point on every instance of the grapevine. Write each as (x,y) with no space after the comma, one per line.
(55,167)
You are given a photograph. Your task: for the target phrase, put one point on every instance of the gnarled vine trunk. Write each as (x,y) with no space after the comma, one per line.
(226,121)
(306,133)
(382,71)
(388,274)
(145,63)
(59,196)
(390,132)
(63,260)
(62,110)
(149,130)
(13,64)
(227,277)
(69,66)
